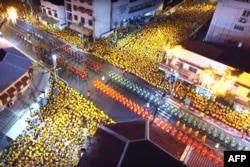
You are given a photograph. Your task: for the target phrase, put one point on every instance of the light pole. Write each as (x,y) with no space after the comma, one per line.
(175,80)
(54,65)
(85,134)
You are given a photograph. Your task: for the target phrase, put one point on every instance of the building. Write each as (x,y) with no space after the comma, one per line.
(97,18)
(231,23)
(140,146)
(53,13)
(192,57)
(15,74)
(100,17)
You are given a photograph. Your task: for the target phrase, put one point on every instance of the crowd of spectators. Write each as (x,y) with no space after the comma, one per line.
(147,48)
(58,136)
(148,45)
(140,53)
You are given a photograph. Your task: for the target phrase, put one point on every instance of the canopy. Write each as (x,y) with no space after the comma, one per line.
(50,20)
(81,29)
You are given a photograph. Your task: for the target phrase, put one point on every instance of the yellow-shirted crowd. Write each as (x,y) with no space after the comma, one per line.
(147,48)
(57,140)
(139,53)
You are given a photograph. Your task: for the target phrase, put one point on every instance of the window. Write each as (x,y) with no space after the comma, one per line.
(49,12)
(68,7)
(55,15)
(75,17)
(82,20)
(179,64)
(90,22)
(191,69)
(44,10)
(132,0)
(242,20)
(74,7)
(237,27)
(246,13)
(69,16)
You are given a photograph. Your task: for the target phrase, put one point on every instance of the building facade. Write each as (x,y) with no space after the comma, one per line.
(98,17)
(53,13)
(17,73)
(231,23)
(188,64)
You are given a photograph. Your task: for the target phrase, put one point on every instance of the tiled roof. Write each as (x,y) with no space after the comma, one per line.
(12,67)
(127,144)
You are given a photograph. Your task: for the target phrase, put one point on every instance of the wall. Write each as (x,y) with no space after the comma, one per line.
(121,9)
(102,19)
(54,9)
(226,26)
(201,61)
(12,85)
(80,15)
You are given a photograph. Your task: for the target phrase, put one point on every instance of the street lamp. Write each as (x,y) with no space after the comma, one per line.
(85,134)
(54,65)
(176,75)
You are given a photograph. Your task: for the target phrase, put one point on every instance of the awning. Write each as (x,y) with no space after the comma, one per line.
(25,79)
(18,85)
(81,29)
(11,91)
(4,97)
(50,20)
(41,15)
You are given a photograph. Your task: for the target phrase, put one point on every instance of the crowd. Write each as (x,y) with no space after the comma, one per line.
(57,140)
(227,115)
(148,45)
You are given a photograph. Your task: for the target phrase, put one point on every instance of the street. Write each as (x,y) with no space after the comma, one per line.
(114,110)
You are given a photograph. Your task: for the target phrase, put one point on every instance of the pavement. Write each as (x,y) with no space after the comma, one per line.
(114,110)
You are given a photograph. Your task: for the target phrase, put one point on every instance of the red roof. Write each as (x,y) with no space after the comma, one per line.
(11,90)
(4,96)
(18,84)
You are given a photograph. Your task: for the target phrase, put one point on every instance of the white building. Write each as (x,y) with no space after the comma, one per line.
(99,17)
(192,57)
(231,23)
(53,13)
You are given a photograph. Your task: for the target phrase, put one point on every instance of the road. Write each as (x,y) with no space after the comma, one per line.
(114,110)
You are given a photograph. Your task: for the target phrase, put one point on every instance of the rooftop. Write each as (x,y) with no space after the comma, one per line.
(137,143)
(12,67)
(235,57)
